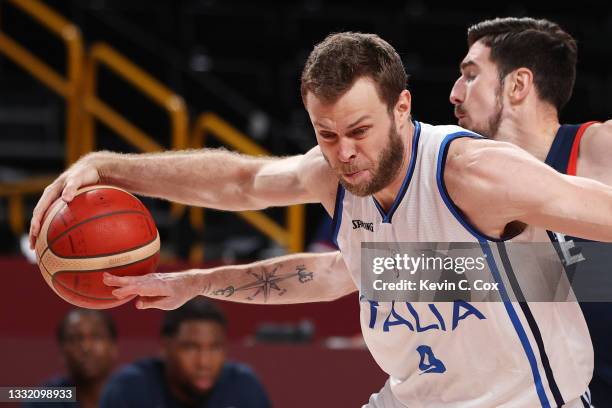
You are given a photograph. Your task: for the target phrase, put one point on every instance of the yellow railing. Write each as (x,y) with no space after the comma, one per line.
(103,54)
(15,191)
(68,86)
(83,107)
(95,108)
(292,236)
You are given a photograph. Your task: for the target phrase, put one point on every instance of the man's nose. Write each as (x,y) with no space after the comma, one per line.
(457,93)
(346,149)
(86,344)
(204,358)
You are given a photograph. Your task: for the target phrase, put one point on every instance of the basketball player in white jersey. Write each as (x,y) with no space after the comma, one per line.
(413,182)
(515,79)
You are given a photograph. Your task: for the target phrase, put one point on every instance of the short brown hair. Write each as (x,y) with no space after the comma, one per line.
(539,45)
(340,59)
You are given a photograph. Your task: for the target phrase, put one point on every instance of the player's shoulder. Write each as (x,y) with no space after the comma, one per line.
(238,371)
(137,374)
(598,129)
(477,154)
(241,382)
(597,142)
(458,144)
(137,384)
(318,177)
(434,136)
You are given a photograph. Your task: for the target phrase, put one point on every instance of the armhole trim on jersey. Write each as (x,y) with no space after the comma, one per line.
(457,213)
(572,164)
(337,218)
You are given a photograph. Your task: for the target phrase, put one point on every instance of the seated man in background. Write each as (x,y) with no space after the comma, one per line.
(88,343)
(192,370)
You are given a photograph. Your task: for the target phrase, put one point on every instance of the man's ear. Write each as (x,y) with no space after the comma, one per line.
(519,84)
(403,107)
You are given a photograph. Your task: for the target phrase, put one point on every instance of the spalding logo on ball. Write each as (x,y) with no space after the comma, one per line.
(103,229)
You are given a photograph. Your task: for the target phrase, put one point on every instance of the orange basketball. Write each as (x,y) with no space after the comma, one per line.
(103,229)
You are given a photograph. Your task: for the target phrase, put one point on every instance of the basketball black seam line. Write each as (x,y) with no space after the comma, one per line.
(105,255)
(95,217)
(82,295)
(49,244)
(97,256)
(53,280)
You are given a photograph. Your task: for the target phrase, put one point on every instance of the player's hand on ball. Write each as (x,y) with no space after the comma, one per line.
(82,173)
(156,290)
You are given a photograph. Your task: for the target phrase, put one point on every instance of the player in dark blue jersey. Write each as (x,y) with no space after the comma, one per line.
(515,79)
(87,341)
(192,370)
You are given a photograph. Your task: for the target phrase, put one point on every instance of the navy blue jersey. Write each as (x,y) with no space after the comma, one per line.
(143,384)
(582,259)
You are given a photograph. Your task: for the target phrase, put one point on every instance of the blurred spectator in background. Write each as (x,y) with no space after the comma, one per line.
(88,343)
(192,371)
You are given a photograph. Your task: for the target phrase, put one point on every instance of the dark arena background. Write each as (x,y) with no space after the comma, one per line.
(142,76)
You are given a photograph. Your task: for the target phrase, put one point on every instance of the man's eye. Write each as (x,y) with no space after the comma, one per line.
(360,131)
(327,136)
(189,347)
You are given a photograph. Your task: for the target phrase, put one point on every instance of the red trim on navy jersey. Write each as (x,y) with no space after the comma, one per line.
(572,165)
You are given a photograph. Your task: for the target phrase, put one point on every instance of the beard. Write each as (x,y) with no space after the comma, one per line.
(491,128)
(388,166)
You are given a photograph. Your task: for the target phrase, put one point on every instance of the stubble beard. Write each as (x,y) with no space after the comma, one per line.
(494,120)
(388,165)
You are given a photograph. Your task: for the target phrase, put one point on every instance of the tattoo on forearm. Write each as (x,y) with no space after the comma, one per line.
(227,292)
(303,275)
(266,282)
(206,288)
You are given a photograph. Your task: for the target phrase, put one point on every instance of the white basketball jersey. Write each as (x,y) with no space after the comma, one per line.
(461,354)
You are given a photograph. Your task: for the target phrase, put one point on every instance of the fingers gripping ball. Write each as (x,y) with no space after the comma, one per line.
(104,229)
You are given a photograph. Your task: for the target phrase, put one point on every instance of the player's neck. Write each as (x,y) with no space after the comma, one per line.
(387,195)
(533,130)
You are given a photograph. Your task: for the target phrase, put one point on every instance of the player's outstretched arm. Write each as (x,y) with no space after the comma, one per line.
(213,178)
(296,278)
(495,183)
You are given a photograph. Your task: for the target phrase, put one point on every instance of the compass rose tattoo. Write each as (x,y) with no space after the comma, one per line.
(266,282)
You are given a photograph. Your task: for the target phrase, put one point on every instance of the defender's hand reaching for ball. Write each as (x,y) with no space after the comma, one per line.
(82,173)
(156,290)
